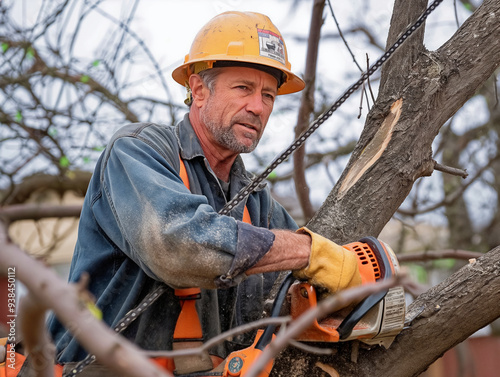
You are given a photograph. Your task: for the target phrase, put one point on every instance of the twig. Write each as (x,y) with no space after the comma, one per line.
(496,92)
(342,36)
(361,101)
(219,338)
(456,13)
(449,170)
(453,196)
(326,306)
(369,80)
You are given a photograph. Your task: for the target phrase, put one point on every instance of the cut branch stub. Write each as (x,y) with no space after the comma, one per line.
(374,149)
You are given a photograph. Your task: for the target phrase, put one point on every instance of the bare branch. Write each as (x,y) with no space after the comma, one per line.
(442,254)
(452,197)
(342,36)
(310,349)
(449,170)
(220,338)
(307,107)
(36,212)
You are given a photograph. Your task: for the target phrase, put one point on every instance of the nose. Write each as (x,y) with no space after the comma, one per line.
(255,104)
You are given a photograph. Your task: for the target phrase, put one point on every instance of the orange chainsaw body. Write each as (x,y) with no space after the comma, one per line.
(379,324)
(375,320)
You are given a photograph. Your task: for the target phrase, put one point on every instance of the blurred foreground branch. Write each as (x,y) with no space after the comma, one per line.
(50,291)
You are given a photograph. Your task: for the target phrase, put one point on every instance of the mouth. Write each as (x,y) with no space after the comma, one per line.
(249,127)
(252,127)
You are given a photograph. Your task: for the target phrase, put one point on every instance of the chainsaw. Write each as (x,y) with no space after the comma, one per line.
(375,321)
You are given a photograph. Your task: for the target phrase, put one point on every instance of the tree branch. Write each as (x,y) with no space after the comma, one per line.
(433,255)
(307,107)
(449,170)
(111,350)
(35,337)
(447,314)
(36,211)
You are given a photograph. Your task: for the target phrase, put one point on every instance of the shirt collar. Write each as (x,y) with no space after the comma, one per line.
(189,144)
(190,148)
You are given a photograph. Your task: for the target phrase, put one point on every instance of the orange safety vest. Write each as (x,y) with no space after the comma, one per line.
(188,324)
(185,180)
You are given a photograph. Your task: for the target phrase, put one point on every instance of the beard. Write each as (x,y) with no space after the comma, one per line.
(224,134)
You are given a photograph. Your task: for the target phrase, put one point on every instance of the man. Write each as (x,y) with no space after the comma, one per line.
(142,227)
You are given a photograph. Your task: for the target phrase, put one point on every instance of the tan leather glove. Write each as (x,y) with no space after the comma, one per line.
(330,265)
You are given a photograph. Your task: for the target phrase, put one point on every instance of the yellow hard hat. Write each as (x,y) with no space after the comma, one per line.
(240,39)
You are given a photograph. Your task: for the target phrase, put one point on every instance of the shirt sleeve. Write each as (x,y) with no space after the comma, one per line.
(173,235)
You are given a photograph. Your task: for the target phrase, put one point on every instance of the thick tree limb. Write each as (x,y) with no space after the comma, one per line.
(445,315)
(328,305)
(448,314)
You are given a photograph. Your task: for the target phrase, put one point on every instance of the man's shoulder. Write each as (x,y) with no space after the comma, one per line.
(158,136)
(145,131)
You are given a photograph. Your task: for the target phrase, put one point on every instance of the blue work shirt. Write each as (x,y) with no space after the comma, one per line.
(141,227)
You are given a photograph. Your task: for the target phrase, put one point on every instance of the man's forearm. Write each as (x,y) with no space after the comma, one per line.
(290,251)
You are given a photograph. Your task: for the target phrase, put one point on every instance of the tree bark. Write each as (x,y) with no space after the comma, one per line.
(420,91)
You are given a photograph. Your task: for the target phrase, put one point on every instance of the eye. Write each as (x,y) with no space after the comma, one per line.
(268,96)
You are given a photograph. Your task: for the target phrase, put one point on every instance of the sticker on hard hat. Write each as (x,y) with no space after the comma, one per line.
(271,45)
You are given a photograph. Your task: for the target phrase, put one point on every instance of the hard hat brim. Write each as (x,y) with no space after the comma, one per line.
(291,84)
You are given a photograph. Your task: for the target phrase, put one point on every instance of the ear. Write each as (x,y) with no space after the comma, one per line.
(199,91)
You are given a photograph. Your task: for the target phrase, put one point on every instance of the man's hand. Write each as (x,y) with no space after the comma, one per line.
(330,265)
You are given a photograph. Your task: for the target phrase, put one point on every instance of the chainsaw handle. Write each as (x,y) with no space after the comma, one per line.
(345,328)
(267,336)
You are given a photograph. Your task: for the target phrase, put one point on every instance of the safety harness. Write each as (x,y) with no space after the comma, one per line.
(188,332)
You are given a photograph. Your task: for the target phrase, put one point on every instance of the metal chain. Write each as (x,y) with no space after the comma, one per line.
(247,190)
(155,294)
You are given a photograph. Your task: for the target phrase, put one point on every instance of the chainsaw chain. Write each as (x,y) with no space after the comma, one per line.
(130,317)
(247,190)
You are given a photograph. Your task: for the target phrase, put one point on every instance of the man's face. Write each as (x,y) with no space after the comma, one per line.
(237,111)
